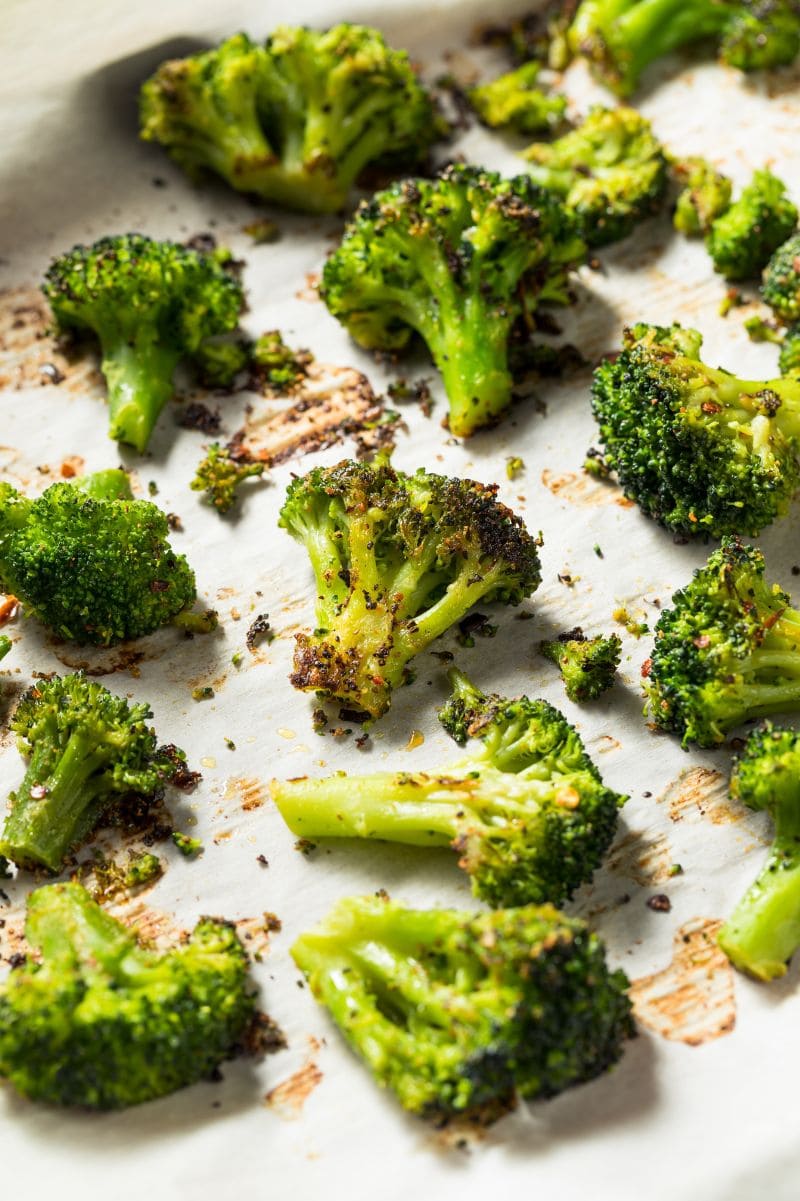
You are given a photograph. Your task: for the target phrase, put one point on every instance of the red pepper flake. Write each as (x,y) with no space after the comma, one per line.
(647,667)
(8,609)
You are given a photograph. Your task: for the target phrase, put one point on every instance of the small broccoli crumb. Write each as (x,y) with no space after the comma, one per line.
(262,231)
(595,465)
(319,721)
(152,488)
(514,465)
(732,299)
(230,744)
(305,846)
(204,693)
(189,847)
(475,624)
(219,476)
(598,550)
(759,329)
(278,369)
(675,869)
(237,658)
(622,617)
(143,868)
(260,631)
(660,903)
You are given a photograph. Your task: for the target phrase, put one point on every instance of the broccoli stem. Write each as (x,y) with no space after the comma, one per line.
(113,484)
(67,926)
(139,378)
(652,28)
(472,355)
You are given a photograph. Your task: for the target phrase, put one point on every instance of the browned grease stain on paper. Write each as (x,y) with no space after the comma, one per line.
(579,489)
(702,790)
(29,355)
(288,1098)
(641,857)
(251,792)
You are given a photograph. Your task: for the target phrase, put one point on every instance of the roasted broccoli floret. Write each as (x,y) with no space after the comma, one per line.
(742,240)
(397,560)
(611,172)
(99,1022)
(728,650)
(457,1012)
(514,101)
(698,449)
(92,563)
(150,304)
(218,363)
(587,665)
(527,811)
(763,932)
(781,283)
(276,366)
(5,645)
(295,120)
(705,195)
(789,360)
(458,259)
(219,476)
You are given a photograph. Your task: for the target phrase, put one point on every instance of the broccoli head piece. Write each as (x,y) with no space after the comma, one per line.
(611,172)
(789,360)
(100,1022)
(781,284)
(698,449)
(527,812)
(219,476)
(727,651)
(294,121)
(742,240)
(456,1012)
(458,259)
(91,562)
(513,101)
(705,195)
(397,560)
(587,665)
(763,932)
(5,645)
(150,304)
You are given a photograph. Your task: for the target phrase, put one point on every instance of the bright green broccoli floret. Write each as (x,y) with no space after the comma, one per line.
(91,562)
(188,846)
(611,172)
(763,932)
(456,1012)
(295,120)
(150,304)
(705,196)
(458,259)
(698,449)
(527,811)
(587,665)
(742,240)
(84,747)
(397,560)
(218,362)
(278,367)
(728,650)
(781,283)
(513,101)
(219,476)
(789,361)
(99,1022)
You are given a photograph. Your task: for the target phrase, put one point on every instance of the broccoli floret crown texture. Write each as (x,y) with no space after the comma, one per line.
(742,240)
(514,101)
(220,475)
(705,195)
(780,287)
(587,665)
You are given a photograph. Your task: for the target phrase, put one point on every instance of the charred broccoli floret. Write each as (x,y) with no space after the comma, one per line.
(92,563)
(219,476)
(150,304)
(587,665)
(705,195)
(742,240)
(458,259)
(527,811)
(611,172)
(728,650)
(698,449)
(781,284)
(455,1012)
(98,1021)
(397,560)
(514,101)
(295,120)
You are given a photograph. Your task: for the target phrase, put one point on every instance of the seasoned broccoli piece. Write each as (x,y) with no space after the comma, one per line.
(219,362)
(456,1011)
(727,651)
(611,172)
(92,563)
(219,476)
(397,560)
(789,360)
(150,304)
(294,121)
(742,240)
(698,449)
(705,196)
(527,811)
(277,367)
(781,284)
(84,747)
(99,1022)
(188,846)
(513,101)
(763,932)
(587,665)
(458,259)
(5,645)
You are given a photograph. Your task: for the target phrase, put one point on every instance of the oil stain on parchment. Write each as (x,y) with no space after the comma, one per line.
(577,488)
(288,1098)
(29,354)
(641,857)
(250,791)
(704,791)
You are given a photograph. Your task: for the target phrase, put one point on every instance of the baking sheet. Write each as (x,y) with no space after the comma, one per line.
(703,1102)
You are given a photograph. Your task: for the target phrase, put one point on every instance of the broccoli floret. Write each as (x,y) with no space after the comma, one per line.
(527,811)
(188,846)
(781,284)
(742,240)
(295,120)
(84,747)
(277,367)
(397,560)
(98,1021)
(587,665)
(150,304)
(611,172)
(763,932)
(219,476)
(218,362)
(728,650)
(698,449)
(92,563)
(513,101)
(455,1012)
(5,645)
(458,259)
(789,360)
(705,196)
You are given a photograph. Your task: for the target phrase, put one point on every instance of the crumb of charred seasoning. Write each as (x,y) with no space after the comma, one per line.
(5,874)
(623,618)
(795,569)
(319,721)
(17,959)
(189,847)
(262,231)
(182,777)
(230,744)
(472,626)
(51,374)
(197,416)
(260,631)
(152,488)
(264,1036)
(660,903)
(203,243)
(262,859)
(305,846)
(354,715)
(732,299)
(158,182)
(340,731)
(175,523)
(595,465)
(362,741)
(525,615)
(443,656)
(204,693)
(402,391)
(382,894)
(514,465)
(568,579)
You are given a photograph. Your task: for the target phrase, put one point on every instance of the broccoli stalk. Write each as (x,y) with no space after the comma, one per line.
(219,476)
(397,560)
(587,665)
(513,101)
(744,237)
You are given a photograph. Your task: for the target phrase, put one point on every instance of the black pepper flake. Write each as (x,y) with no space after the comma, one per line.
(260,631)
(660,903)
